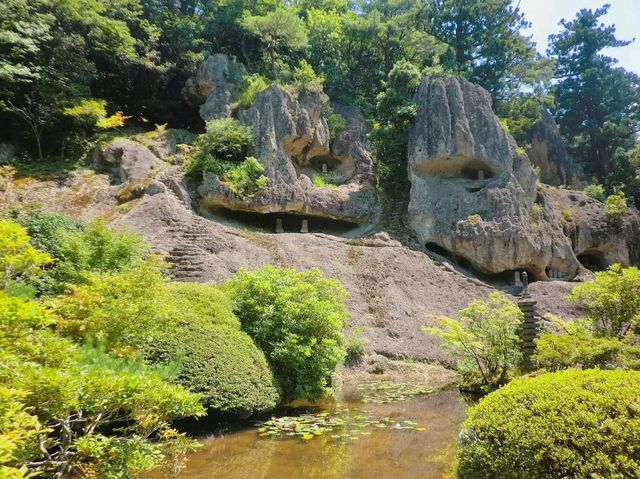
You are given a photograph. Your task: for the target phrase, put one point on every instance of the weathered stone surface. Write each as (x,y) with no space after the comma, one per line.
(597,240)
(547,151)
(293,144)
(131,161)
(212,87)
(472,193)
(165,143)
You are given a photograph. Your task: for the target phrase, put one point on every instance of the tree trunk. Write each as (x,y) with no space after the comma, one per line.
(37,133)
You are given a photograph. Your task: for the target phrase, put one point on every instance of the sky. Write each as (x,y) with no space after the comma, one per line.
(545,15)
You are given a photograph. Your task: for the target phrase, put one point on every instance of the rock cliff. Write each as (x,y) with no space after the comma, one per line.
(473,193)
(546,150)
(211,89)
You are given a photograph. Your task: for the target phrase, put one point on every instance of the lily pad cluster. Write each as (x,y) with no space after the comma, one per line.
(344,424)
(386,392)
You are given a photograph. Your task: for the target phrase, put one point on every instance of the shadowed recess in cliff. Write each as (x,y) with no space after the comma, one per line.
(507,278)
(283,222)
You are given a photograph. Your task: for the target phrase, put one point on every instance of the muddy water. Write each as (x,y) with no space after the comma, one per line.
(388,453)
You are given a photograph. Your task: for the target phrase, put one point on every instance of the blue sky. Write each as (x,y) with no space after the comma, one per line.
(625,14)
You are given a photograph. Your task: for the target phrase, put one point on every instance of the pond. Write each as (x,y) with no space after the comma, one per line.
(363,436)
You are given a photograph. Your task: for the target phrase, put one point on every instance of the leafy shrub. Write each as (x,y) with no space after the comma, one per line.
(139,312)
(356,343)
(536,214)
(577,347)
(297,319)
(567,214)
(595,191)
(320,181)
(247,179)
(579,424)
(251,87)
(484,340)
(335,121)
(226,141)
(91,113)
(117,311)
(307,80)
(18,258)
(616,205)
(216,358)
(612,301)
(80,250)
(88,391)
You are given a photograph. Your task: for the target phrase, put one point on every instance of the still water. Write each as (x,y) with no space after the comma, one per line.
(424,452)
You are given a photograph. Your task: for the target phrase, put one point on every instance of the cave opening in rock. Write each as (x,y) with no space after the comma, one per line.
(506,279)
(283,222)
(335,169)
(471,169)
(593,260)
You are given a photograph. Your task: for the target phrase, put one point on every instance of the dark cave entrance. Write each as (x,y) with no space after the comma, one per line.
(503,279)
(593,260)
(290,223)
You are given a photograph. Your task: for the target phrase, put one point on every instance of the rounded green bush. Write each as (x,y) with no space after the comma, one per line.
(298,320)
(570,424)
(215,358)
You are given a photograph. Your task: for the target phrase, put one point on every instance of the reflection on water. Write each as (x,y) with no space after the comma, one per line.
(385,454)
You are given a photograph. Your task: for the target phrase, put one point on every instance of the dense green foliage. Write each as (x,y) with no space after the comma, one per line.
(297,319)
(612,301)
(395,113)
(246,179)
(579,424)
(138,313)
(225,143)
(616,205)
(63,402)
(578,347)
(19,260)
(91,380)
(484,340)
(215,358)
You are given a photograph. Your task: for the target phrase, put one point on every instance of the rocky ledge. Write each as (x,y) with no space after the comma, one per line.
(294,145)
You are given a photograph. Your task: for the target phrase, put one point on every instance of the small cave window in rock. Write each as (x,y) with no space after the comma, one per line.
(283,222)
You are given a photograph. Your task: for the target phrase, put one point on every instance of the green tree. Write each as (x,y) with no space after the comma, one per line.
(484,340)
(278,30)
(297,319)
(597,103)
(484,40)
(612,301)
(225,143)
(395,113)
(189,327)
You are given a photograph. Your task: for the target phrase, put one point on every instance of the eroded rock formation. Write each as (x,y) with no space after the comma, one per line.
(473,193)
(597,239)
(547,151)
(293,144)
(129,160)
(211,89)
